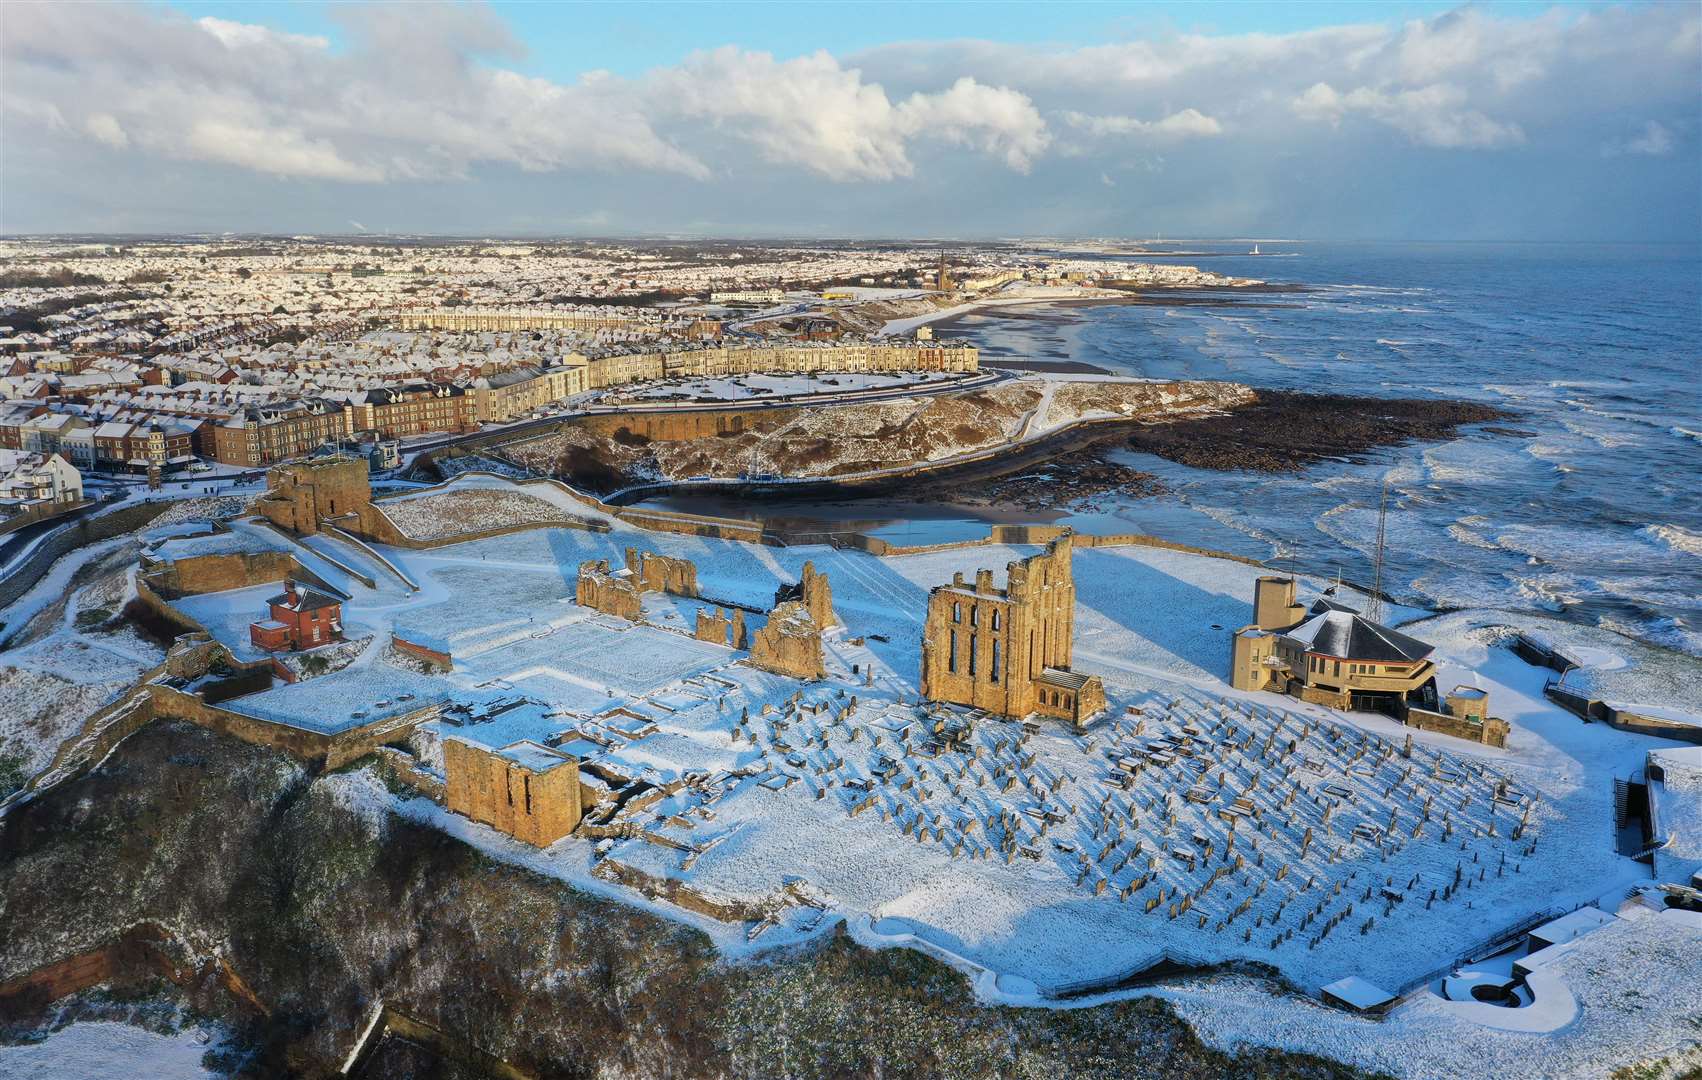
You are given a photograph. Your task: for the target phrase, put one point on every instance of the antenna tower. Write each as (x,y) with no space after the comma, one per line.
(1374,607)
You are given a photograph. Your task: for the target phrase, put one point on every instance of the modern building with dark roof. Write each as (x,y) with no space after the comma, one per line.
(1330,654)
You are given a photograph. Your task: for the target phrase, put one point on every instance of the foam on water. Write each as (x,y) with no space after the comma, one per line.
(1675,537)
(1591,509)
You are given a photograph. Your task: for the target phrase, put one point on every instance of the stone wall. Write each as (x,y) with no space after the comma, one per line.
(678,894)
(713,626)
(661,573)
(406,769)
(607,592)
(1628,719)
(815,593)
(168,579)
(441,661)
(198,574)
(537,806)
(317,748)
(790,643)
(1491,732)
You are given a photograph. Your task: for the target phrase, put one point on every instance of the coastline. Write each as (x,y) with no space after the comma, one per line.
(1200,294)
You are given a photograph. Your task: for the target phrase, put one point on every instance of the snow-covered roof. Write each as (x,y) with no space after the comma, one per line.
(1567,927)
(304,600)
(533,756)
(1342,633)
(1358,993)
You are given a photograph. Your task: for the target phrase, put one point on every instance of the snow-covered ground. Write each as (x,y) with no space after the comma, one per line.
(67,659)
(103,1050)
(950,854)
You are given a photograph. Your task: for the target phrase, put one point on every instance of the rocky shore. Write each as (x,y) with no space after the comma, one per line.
(1286,431)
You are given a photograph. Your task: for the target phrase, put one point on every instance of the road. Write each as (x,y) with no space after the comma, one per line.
(17,545)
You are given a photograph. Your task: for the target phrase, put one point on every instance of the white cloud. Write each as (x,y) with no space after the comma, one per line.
(103,128)
(414,98)
(433,94)
(1188,123)
(814,113)
(1652,140)
(1434,115)
(236,35)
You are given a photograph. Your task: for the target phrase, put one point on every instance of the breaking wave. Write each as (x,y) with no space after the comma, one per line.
(1674,536)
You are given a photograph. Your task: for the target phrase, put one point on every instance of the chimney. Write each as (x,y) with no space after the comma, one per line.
(289,589)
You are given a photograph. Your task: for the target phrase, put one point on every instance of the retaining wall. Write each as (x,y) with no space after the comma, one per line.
(81,533)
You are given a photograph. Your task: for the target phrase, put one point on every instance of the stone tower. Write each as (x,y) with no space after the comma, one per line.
(1007,650)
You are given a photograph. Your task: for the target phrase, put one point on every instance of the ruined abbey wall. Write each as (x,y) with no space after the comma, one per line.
(537,806)
(661,573)
(984,647)
(790,643)
(612,594)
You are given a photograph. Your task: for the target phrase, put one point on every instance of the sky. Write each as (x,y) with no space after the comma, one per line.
(1327,120)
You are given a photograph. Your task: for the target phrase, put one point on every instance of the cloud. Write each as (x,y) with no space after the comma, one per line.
(114,105)
(814,113)
(1652,140)
(103,128)
(1432,115)
(415,99)
(1189,123)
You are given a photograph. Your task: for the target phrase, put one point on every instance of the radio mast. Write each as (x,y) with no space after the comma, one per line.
(1374,608)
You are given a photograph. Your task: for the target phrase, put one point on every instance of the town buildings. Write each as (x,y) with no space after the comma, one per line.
(36,480)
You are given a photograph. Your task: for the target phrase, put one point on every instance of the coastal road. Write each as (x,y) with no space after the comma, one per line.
(16,546)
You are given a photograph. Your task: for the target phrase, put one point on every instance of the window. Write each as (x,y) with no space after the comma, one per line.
(995,618)
(951,656)
(1338,670)
(526,782)
(956,613)
(972,656)
(993,668)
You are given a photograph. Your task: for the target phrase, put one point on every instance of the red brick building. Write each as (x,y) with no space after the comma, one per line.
(300,619)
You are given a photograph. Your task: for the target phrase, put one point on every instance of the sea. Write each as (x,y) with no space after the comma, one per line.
(1588,504)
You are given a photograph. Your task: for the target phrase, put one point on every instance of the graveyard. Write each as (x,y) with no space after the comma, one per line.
(1188,827)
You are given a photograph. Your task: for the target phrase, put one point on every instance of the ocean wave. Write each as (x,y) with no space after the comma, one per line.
(1676,537)
(1232,519)
(1607,440)
(1686,433)
(1568,545)
(1464,535)
(1553,592)
(1665,632)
